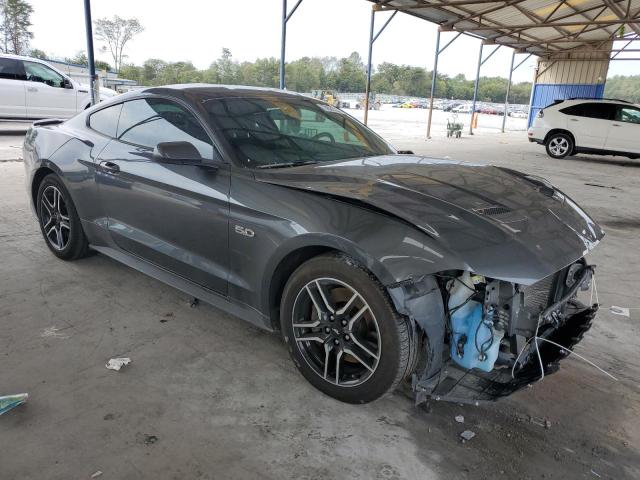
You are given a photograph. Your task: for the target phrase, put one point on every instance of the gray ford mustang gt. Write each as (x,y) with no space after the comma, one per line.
(376,266)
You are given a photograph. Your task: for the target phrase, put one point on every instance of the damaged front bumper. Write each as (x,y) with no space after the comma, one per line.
(457,384)
(482,339)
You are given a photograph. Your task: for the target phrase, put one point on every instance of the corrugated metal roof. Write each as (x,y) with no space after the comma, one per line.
(541,27)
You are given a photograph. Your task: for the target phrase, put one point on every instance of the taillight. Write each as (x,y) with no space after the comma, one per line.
(541,114)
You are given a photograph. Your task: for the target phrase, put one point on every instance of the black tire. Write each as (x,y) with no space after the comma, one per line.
(394,335)
(559,145)
(74,243)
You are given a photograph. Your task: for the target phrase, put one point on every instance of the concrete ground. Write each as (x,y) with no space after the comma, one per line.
(208,396)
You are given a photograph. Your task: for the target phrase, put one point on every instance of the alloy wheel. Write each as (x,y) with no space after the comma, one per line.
(336,332)
(55,218)
(559,146)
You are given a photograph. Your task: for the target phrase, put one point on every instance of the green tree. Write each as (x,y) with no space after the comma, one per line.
(81,59)
(14,25)
(623,87)
(116,33)
(37,53)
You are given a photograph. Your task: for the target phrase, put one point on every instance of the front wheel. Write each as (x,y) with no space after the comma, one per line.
(342,331)
(559,145)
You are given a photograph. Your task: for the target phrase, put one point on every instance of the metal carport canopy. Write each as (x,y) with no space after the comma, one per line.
(540,27)
(550,29)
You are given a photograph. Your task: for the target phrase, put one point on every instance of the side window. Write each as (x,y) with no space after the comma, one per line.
(147,122)
(628,114)
(575,110)
(105,121)
(9,69)
(36,72)
(602,111)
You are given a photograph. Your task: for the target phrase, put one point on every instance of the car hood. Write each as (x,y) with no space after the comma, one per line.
(494,221)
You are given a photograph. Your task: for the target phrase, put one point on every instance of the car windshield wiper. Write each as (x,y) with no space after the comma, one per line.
(287,164)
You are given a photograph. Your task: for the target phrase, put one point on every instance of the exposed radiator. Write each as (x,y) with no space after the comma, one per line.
(537,296)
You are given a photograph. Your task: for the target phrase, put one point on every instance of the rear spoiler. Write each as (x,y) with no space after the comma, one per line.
(48,121)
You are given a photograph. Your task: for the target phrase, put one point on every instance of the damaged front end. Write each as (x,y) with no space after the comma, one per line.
(486,338)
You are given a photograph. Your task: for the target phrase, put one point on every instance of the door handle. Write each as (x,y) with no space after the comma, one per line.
(615,124)
(32,89)
(109,167)
(574,119)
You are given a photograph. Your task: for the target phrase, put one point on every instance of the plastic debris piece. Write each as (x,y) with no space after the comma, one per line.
(118,363)
(96,474)
(8,402)
(459,419)
(53,332)
(619,311)
(467,435)
(596,474)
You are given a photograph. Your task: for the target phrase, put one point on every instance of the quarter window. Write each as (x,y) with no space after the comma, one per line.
(10,69)
(628,114)
(147,122)
(36,72)
(105,121)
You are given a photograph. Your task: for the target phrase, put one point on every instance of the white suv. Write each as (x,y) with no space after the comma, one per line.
(607,127)
(31,88)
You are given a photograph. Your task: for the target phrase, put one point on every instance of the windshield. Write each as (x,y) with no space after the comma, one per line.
(273,131)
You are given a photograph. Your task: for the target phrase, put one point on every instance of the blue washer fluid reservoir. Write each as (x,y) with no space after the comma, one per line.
(466,321)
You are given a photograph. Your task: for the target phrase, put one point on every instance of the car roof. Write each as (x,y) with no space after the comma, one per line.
(211,90)
(592,100)
(21,57)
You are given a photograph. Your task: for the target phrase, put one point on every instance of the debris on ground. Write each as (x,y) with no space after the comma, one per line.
(146,438)
(619,311)
(8,402)
(194,303)
(53,332)
(459,419)
(541,422)
(118,363)
(596,474)
(96,474)
(467,435)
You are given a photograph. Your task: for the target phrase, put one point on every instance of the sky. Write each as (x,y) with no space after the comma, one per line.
(197,30)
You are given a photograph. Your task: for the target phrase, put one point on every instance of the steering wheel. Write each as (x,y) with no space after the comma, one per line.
(326,135)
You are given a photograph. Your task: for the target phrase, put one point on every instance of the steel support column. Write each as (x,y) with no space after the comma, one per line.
(475,87)
(434,74)
(90,57)
(372,39)
(283,41)
(367,88)
(506,97)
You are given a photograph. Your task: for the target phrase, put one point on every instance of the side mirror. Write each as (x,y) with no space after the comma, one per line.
(181,153)
(66,83)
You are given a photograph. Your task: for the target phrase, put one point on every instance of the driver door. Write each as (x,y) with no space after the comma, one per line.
(47,94)
(173,215)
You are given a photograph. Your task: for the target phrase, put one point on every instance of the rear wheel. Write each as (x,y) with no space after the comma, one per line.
(342,331)
(559,145)
(59,221)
